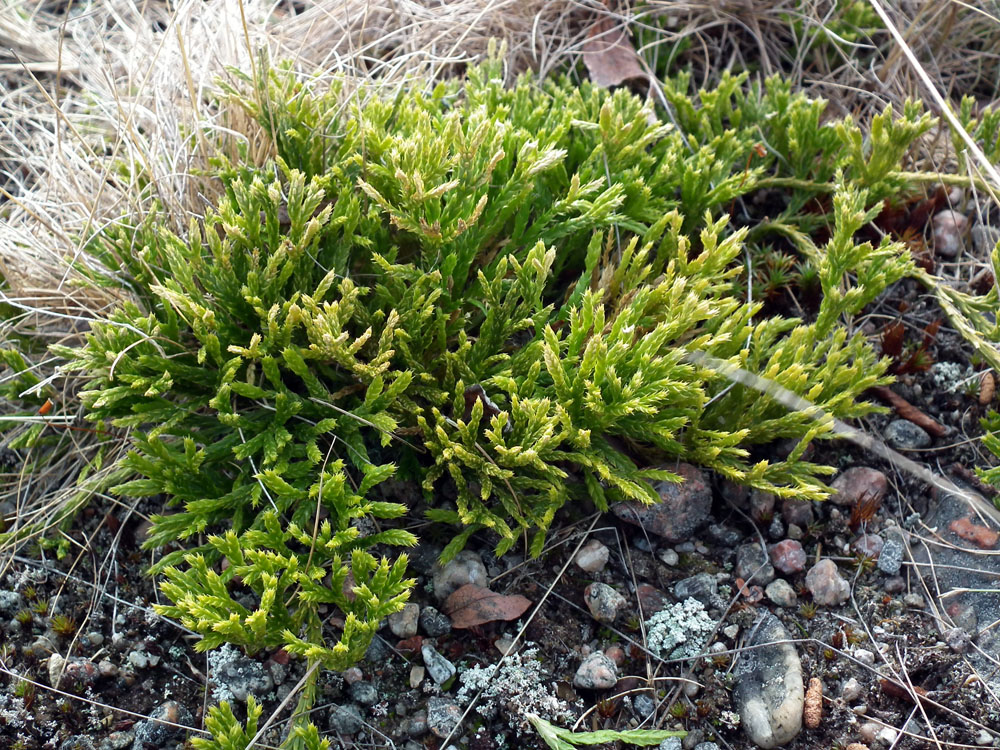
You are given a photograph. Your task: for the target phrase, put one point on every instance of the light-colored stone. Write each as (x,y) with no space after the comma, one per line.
(440,669)
(768,691)
(596,672)
(604,602)
(465,567)
(827,586)
(592,557)
(403,624)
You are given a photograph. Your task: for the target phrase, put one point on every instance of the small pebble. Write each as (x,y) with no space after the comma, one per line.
(776,529)
(403,624)
(439,668)
(724,536)
(984,737)
(443,716)
(916,601)
(890,560)
(797,512)
(851,690)
(826,585)
(465,567)
(345,719)
(894,585)
(788,556)
(616,653)
(644,705)
(671,743)
(903,435)
(887,735)
(417,675)
(604,602)
(949,229)
(702,587)
(752,564)
(596,672)
(859,482)
(592,557)
(352,675)
(958,640)
(364,693)
(864,656)
(868,545)
(781,593)
(869,731)
(668,556)
(151,733)
(434,623)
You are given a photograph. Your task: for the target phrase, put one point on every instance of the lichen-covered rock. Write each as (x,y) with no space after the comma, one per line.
(768,691)
(603,602)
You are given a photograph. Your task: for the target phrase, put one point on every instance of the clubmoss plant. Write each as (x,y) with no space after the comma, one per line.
(492,290)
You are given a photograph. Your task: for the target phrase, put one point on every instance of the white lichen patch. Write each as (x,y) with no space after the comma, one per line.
(518,688)
(679,631)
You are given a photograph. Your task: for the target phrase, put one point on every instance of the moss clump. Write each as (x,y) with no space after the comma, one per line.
(491,290)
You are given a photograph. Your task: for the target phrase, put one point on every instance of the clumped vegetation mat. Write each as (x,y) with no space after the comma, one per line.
(461,311)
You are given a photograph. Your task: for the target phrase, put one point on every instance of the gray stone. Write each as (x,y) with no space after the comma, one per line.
(702,587)
(465,567)
(151,734)
(776,530)
(403,624)
(668,556)
(797,512)
(781,593)
(10,602)
(364,693)
(671,743)
(753,565)
(958,640)
(682,509)
(243,676)
(440,669)
(77,742)
(592,557)
(903,435)
(706,746)
(890,559)
(378,651)
(603,602)
(768,692)
(724,536)
(851,690)
(948,233)
(596,672)
(433,623)
(984,239)
(443,716)
(416,725)
(644,705)
(345,719)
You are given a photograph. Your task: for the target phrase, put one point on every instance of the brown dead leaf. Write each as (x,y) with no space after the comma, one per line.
(609,55)
(473,605)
